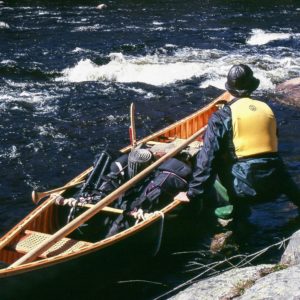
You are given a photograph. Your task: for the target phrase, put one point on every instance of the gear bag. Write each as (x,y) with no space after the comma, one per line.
(107,181)
(116,177)
(170,178)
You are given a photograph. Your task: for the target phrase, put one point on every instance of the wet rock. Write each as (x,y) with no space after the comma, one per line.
(224,286)
(220,241)
(101,6)
(260,282)
(288,92)
(282,284)
(291,255)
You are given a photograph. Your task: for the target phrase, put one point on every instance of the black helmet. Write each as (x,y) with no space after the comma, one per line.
(240,81)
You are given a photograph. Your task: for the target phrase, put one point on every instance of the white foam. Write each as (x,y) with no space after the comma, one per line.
(8,62)
(146,95)
(82,50)
(261,37)
(137,90)
(163,69)
(10,153)
(170,46)
(4,25)
(115,119)
(42,13)
(122,70)
(149,95)
(160,28)
(157,23)
(49,130)
(14,94)
(95,27)
(157,69)
(77,49)
(277,70)
(31,97)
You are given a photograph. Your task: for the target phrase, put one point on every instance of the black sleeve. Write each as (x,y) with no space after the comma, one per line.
(205,167)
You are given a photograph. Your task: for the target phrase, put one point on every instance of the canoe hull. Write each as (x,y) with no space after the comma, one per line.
(98,267)
(95,258)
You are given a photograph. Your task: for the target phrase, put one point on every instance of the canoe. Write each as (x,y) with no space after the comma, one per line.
(39,247)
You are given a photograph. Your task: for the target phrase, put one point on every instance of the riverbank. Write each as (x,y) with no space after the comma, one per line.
(264,281)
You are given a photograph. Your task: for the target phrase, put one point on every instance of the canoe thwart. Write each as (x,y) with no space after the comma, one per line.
(159,149)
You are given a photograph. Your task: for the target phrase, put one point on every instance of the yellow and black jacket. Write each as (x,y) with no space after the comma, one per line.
(240,146)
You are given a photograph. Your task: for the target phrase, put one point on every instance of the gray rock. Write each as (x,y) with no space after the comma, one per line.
(222,286)
(101,6)
(291,255)
(280,285)
(256,283)
(288,92)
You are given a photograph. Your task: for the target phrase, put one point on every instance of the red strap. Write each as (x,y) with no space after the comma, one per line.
(130,136)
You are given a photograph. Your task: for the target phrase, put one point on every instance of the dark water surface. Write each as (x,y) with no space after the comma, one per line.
(68,73)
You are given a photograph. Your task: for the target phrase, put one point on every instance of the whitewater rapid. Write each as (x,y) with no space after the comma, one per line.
(167,67)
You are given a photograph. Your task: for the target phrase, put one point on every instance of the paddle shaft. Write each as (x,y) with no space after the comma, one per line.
(72,202)
(132,126)
(64,231)
(38,196)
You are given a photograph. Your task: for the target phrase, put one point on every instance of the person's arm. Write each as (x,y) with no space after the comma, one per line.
(205,167)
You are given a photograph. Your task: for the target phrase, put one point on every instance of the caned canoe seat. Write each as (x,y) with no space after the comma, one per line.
(32,239)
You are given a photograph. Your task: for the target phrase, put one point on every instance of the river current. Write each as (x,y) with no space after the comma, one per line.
(69,71)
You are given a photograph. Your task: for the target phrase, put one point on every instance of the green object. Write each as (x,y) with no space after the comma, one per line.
(224,212)
(221,190)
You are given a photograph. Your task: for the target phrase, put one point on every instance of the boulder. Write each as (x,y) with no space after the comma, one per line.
(224,286)
(291,255)
(101,6)
(289,92)
(258,282)
(282,284)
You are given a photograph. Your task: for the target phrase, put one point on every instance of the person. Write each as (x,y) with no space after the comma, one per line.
(241,149)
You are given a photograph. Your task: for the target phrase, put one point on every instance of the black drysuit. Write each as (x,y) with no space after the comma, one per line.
(248,179)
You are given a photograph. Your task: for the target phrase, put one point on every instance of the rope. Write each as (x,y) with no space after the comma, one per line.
(139,215)
(161,230)
(72,202)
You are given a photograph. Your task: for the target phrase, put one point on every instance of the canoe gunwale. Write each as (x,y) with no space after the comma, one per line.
(159,133)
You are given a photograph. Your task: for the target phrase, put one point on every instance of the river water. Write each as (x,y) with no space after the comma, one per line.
(69,71)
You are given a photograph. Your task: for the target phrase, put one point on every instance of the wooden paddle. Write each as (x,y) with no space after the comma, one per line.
(132,132)
(64,231)
(38,196)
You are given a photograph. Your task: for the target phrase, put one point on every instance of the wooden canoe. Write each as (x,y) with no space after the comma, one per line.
(42,223)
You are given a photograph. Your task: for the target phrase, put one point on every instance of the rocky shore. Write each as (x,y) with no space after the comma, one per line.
(269,281)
